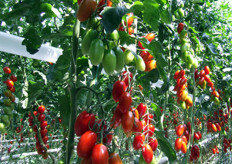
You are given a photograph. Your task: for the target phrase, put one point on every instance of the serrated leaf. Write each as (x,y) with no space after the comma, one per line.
(111,17)
(151,13)
(165,146)
(165,16)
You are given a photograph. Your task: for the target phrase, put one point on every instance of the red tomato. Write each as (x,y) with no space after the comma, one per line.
(153,143)
(83,121)
(180,27)
(114,159)
(85,9)
(13,78)
(41,117)
(118,88)
(12,89)
(100,154)
(207,79)
(149,116)
(142,108)
(184,138)
(150,65)
(9,83)
(101,5)
(218,127)
(45,139)
(195,152)
(138,141)
(117,117)
(176,74)
(184,147)
(43,124)
(214,128)
(150,37)
(207,70)
(7,70)
(147,153)
(181,74)
(202,73)
(137,126)
(41,109)
(131,30)
(214,150)
(151,129)
(125,102)
(180,130)
(44,132)
(86,144)
(178,144)
(127,121)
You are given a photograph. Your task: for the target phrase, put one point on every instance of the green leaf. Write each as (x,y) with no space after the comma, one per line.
(111,17)
(151,13)
(165,146)
(156,109)
(153,76)
(32,40)
(82,62)
(63,61)
(165,16)
(125,38)
(137,7)
(35,89)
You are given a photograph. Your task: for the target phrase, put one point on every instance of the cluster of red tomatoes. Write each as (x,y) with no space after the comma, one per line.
(94,138)
(202,78)
(9,99)
(195,153)
(147,57)
(136,120)
(226,144)
(87,8)
(181,143)
(181,84)
(39,114)
(215,150)
(215,123)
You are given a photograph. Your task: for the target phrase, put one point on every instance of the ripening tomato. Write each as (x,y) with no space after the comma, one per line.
(180,27)
(85,9)
(178,144)
(125,102)
(13,78)
(214,128)
(147,153)
(9,83)
(119,88)
(86,144)
(83,122)
(100,154)
(138,141)
(128,56)
(150,37)
(114,158)
(142,108)
(176,74)
(7,70)
(41,109)
(146,56)
(150,129)
(127,121)
(130,19)
(189,101)
(153,143)
(150,65)
(207,70)
(180,130)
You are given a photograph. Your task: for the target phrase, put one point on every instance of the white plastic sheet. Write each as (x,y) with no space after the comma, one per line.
(13,44)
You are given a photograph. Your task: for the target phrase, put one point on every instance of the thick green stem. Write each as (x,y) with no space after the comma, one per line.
(72,92)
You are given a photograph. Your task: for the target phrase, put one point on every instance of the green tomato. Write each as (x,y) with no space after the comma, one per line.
(173,18)
(216,100)
(183,35)
(86,42)
(114,35)
(189,65)
(181,12)
(140,64)
(177,14)
(7,102)
(109,62)
(5,118)
(96,52)
(120,62)
(2,128)
(189,59)
(7,110)
(195,63)
(142,161)
(61,162)
(185,47)
(128,56)
(183,105)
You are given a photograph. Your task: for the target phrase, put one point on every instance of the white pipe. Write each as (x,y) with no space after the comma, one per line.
(13,44)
